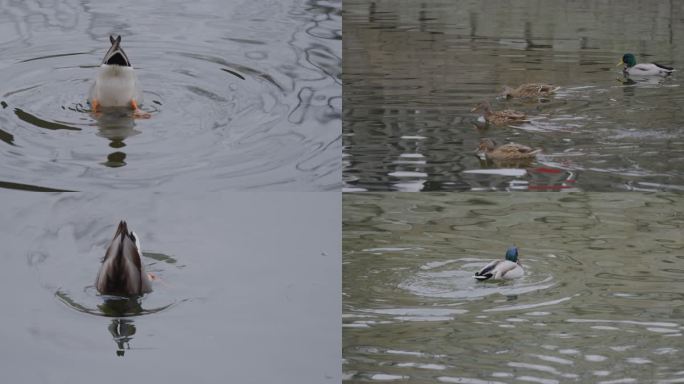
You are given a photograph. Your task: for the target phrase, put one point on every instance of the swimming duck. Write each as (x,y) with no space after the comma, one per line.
(506,152)
(644,69)
(529,90)
(122,271)
(507,116)
(116,84)
(509,268)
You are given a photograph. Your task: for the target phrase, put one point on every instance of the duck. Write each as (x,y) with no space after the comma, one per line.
(122,272)
(508,268)
(643,69)
(507,116)
(116,84)
(507,152)
(529,90)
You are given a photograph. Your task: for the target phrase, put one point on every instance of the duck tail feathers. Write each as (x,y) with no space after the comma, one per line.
(483,277)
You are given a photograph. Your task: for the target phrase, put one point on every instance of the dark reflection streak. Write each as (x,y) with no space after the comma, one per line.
(29,187)
(40,123)
(58,55)
(233,73)
(7,137)
(237,67)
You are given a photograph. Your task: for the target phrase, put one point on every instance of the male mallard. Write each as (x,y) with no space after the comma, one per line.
(506,152)
(644,69)
(116,84)
(507,116)
(122,271)
(529,90)
(509,268)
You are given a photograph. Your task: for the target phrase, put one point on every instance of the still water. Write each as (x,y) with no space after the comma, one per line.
(247,289)
(601,300)
(413,71)
(242,94)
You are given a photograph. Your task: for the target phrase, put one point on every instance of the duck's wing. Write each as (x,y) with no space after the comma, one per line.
(511,114)
(665,67)
(487,272)
(513,148)
(110,265)
(135,279)
(509,270)
(648,69)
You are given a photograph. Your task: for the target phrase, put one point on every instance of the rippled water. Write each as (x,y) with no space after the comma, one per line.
(601,300)
(243,94)
(413,70)
(226,305)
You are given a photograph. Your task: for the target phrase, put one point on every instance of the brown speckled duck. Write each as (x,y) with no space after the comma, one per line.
(507,116)
(506,152)
(529,90)
(122,272)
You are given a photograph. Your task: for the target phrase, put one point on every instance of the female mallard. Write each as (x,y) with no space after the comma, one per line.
(507,116)
(116,84)
(529,90)
(644,69)
(509,268)
(122,271)
(506,152)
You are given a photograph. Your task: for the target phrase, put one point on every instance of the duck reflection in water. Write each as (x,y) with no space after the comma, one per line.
(115,124)
(121,329)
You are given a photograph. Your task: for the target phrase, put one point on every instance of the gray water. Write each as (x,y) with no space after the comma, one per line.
(247,289)
(601,300)
(242,95)
(414,69)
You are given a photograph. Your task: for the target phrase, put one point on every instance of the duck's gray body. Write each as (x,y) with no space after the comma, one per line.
(122,271)
(116,84)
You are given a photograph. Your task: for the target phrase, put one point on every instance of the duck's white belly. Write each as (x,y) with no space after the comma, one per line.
(115,86)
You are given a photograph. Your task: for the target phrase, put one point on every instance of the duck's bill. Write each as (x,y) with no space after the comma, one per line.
(473,109)
(620,63)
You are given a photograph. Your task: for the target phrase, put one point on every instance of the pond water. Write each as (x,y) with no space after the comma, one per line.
(601,300)
(414,70)
(242,95)
(247,289)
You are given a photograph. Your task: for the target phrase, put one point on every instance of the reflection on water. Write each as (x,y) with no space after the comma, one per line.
(116,124)
(243,94)
(413,71)
(600,300)
(122,331)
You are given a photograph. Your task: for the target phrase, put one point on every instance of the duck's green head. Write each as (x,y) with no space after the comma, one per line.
(628,59)
(512,254)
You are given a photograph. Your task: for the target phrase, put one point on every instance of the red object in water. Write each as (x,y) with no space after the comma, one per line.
(547,170)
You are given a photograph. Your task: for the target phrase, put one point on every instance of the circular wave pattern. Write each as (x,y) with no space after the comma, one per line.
(242,113)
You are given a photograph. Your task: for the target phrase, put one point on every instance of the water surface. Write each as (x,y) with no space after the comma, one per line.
(601,300)
(413,70)
(247,290)
(242,95)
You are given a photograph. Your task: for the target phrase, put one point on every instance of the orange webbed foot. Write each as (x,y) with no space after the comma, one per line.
(139,113)
(95,107)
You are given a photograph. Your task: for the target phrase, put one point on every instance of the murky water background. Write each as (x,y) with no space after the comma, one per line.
(413,70)
(601,300)
(248,289)
(243,94)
